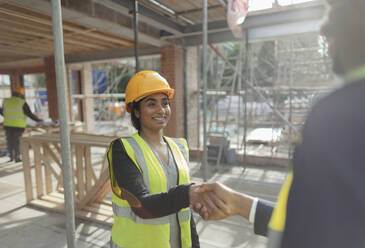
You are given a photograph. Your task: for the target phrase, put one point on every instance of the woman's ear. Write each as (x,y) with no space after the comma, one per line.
(136,113)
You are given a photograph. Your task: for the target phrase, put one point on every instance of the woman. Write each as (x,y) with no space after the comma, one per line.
(149,173)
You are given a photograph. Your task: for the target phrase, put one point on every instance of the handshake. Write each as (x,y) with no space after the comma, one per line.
(215,201)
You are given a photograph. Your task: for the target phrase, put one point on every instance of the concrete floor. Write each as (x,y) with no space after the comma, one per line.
(23,226)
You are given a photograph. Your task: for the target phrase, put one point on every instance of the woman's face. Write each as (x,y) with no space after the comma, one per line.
(154,112)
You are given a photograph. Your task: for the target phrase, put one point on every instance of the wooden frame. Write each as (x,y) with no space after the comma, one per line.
(90,176)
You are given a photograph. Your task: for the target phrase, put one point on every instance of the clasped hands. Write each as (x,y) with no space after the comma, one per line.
(213,201)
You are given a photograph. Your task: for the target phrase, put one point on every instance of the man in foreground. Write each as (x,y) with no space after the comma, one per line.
(324,205)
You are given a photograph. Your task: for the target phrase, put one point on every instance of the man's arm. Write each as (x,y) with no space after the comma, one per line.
(262,216)
(29,113)
(235,203)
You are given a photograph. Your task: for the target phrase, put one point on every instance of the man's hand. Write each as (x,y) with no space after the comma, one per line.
(218,201)
(207,204)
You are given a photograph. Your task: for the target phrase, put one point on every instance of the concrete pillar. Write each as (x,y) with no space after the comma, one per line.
(172,61)
(192,77)
(51,85)
(88,106)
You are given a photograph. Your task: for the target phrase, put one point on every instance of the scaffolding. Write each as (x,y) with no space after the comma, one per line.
(109,82)
(258,94)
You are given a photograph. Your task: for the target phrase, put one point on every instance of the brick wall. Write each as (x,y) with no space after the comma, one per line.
(172,69)
(192,97)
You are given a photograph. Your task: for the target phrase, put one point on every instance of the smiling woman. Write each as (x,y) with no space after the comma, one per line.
(149,173)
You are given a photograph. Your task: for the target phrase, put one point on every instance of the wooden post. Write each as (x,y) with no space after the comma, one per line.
(80,171)
(38,169)
(47,171)
(24,148)
(88,106)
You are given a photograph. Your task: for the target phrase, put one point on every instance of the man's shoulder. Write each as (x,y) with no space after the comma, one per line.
(341,109)
(349,96)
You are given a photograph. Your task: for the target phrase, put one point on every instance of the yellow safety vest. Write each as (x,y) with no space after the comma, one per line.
(278,217)
(13,112)
(131,231)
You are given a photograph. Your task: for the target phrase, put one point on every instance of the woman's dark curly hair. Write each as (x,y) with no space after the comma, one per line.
(135,106)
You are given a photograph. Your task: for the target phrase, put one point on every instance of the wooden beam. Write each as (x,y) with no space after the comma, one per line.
(28,185)
(197,10)
(14,49)
(66,25)
(56,159)
(89,172)
(69,31)
(47,172)
(92,194)
(45,36)
(22,71)
(79,152)
(11,20)
(38,169)
(107,37)
(45,157)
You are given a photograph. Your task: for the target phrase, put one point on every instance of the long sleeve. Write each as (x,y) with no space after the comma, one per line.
(262,216)
(29,113)
(130,180)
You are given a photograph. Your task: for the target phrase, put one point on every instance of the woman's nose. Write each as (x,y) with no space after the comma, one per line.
(161,108)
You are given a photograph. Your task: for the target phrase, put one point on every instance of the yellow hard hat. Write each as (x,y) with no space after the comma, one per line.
(145,83)
(19,90)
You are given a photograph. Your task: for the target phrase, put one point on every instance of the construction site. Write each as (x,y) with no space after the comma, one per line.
(240,101)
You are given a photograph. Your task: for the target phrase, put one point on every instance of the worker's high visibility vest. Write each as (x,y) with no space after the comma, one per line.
(13,112)
(278,217)
(129,230)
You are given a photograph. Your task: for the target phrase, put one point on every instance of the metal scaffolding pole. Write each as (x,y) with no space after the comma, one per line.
(135,26)
(205,43)
(65,132)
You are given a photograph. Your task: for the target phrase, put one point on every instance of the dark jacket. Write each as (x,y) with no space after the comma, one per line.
(262,217)
(326,203)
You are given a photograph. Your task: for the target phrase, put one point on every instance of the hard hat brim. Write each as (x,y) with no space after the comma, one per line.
(170,95)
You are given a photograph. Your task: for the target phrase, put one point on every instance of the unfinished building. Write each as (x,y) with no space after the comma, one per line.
(258,88)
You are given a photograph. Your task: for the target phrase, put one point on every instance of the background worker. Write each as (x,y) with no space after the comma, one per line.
(324,204)
(15,113)
(149,173)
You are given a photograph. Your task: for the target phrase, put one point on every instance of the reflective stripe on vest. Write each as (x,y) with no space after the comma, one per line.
(183,145)
(128,228)
(139,157)
(114,245)
(13,113)
(127,212)
(278,218)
